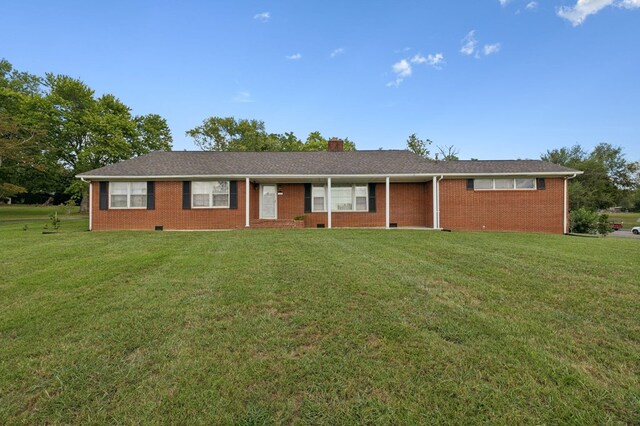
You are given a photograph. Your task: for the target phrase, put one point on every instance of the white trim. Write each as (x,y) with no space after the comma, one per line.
(247,221)
(324,176)
(90,206)
(328,202)
(434,201)
(386,202)
(438,201)
(276,201)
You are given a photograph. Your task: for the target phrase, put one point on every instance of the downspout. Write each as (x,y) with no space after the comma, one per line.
(441,177)
(90,202)
(566,202)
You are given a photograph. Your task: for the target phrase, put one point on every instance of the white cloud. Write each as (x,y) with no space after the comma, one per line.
(243,97)
(294,57)
(338,51)
(583,8)
(490,49)
(532,5)
(262,17)
(402,69)
(434,60)
(469,43)
(629,4)
(503,3)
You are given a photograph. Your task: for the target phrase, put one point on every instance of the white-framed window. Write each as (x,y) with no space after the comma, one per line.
(504,184)
(210,194)
(128,195)
(318,198)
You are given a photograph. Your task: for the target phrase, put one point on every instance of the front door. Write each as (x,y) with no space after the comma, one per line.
(269,202)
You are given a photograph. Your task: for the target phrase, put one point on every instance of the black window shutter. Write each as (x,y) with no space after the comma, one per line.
(151,195)
(186,194)
(372,197)
(469,184)
(233,194)
(307,198)
(104,195)
(540,184)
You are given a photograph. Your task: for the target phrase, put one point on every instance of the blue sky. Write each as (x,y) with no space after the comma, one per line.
(498,79)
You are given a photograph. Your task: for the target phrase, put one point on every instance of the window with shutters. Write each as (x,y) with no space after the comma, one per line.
(210,195)
(344,198)
(504,184)
(128,195)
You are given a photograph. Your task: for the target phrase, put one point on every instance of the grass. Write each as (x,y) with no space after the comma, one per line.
(629,219)
(16,212)
(317,326)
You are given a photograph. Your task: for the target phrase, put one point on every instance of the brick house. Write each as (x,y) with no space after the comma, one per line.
(384,188)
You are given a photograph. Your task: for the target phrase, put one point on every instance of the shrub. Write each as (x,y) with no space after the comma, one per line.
(584,221)
(603,225)
(299,218)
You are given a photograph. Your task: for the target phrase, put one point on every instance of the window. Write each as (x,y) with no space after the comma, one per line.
(349,198)
(483,184)
(318,193)
(214,194)
(128,195)
(504,184)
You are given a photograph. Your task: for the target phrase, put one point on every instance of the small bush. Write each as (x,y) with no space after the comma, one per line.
(603,225)
(299,218)
(584,221)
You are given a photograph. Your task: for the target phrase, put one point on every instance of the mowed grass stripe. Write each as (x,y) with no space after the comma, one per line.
(313,326)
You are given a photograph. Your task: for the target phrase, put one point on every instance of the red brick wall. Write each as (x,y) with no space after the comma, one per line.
(525,211)
(168,212)
(410,206)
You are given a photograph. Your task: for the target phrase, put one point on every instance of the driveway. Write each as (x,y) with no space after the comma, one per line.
(624,234)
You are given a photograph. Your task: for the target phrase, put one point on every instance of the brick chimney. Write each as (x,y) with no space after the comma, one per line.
(336,145)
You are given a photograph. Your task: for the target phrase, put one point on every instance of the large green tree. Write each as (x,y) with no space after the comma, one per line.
(52,128)
(608,176)
(230,134)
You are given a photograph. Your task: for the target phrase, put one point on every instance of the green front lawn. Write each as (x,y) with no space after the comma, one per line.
(317,326)
(24,212)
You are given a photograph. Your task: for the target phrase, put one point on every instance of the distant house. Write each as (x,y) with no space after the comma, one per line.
(384,189)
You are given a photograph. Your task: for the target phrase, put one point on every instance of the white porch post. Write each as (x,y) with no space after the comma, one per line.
(246,203)
(90,205)
(435,202)
(386,203)
(329,203)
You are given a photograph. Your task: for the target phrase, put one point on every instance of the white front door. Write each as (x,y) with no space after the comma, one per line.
(269,202)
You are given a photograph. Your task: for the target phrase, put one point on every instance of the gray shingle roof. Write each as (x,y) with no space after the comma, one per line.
(389,162)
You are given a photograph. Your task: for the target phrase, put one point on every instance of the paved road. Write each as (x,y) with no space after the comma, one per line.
(624,234)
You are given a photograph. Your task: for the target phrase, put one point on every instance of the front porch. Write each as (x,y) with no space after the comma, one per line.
(342,201)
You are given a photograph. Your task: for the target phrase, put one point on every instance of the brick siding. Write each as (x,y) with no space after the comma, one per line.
(411,205)
(507,210)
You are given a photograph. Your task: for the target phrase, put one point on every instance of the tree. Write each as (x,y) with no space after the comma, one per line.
(230,134)
(419,146)
(608,177)
(54,127)
(448,153)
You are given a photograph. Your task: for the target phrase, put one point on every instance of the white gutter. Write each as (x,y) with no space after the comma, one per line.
(90,203)
(566,202)
(325,176)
